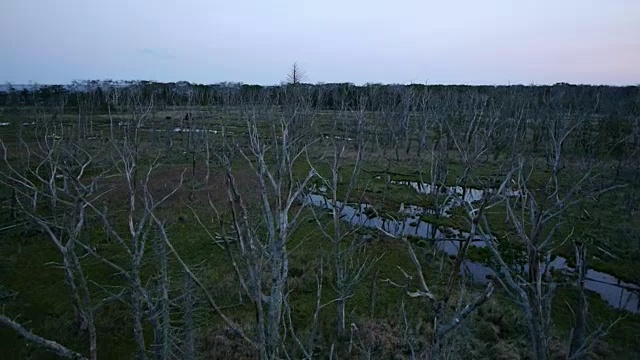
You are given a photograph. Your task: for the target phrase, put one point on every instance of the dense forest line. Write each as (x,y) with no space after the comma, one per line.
(600,100)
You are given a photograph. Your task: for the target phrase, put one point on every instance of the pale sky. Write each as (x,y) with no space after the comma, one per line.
(359,41)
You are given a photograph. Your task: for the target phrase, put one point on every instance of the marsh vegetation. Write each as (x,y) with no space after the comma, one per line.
(147,220)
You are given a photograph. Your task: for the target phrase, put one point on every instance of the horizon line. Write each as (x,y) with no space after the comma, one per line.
(319,83)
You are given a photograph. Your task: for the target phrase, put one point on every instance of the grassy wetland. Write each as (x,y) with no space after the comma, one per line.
(180,221)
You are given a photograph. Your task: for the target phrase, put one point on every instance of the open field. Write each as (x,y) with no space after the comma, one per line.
(303,222)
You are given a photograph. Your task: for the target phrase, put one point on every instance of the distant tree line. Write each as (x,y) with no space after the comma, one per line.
(621,101)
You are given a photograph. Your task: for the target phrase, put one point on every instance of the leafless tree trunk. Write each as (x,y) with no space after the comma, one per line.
(444,322)
(536,219)
(262,260)
(579,333)
(296,74)
(278,181)
(57,181)
(349,271)
(470,143)
(50,345)
(189,347)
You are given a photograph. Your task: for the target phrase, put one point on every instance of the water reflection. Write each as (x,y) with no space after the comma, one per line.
(617,293)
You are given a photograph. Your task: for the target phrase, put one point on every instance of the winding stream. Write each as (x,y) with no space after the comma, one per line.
(617,293)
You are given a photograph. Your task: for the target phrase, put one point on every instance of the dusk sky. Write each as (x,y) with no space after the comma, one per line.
(400,41)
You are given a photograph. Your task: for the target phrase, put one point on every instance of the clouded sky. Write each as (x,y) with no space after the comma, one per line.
(393,41)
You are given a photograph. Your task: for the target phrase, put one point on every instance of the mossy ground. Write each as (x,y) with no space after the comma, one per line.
(33,286)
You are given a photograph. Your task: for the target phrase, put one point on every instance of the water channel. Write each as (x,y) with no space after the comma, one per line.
(615,292)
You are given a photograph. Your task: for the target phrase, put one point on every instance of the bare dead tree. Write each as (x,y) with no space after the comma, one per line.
(536,219)
(50,345)
(426,118)
(438,168)
(55,180)
(279,219)
(444,321)
(349,269)
(534,292)
(258,246)
(579,331)
(189,343)
(470,143)
(296,74)
(163,343)
(143,302)
(86,99)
